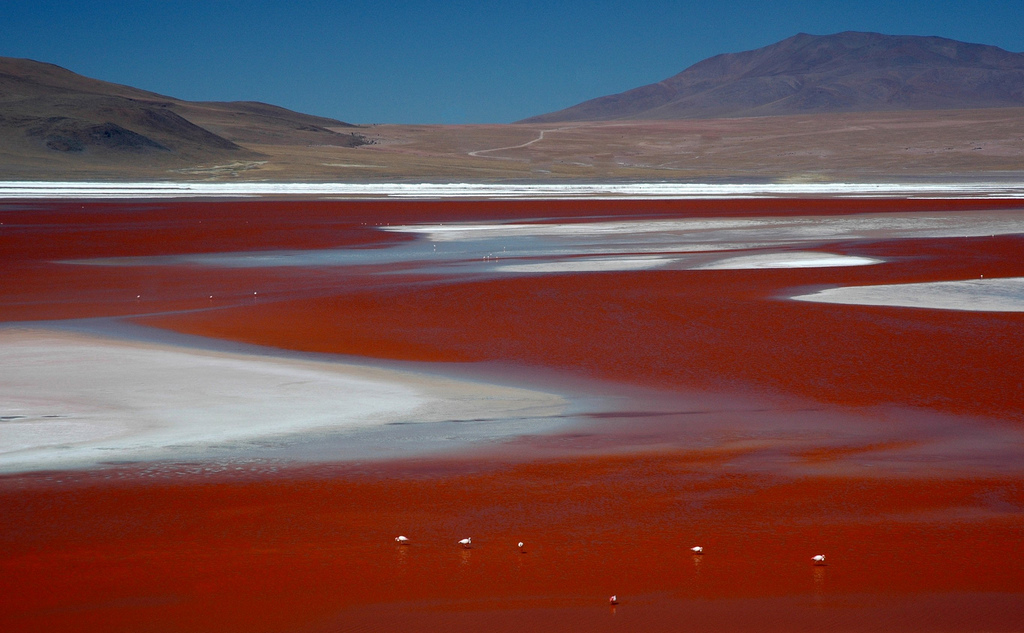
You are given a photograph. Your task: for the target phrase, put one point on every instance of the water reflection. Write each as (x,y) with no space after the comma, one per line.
(401,556)
(819,582)
(698,560)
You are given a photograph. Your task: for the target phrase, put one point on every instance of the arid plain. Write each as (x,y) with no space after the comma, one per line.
(855,147)
(878,147)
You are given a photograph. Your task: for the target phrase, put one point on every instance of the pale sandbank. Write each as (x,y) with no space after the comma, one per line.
(71,400)
(1004,294)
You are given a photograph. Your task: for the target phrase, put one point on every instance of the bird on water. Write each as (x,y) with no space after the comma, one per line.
(466,542)
(819,559)
(697,549)
(401,540)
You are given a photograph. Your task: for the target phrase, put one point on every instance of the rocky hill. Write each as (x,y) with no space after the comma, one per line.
(52,116)
(845,72)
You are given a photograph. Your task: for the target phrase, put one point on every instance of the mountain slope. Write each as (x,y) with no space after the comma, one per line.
(49,113)
(845,72)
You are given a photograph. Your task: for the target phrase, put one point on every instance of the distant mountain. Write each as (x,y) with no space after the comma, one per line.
(846,72)
(48,112)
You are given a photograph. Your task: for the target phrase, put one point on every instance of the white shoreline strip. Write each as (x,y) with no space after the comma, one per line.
(788,260)
(587,265)
(18,190)
(737,233)
(1004,294)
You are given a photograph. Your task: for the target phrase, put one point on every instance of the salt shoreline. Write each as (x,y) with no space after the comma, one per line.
(20,190)
(1005,294)
(73,400)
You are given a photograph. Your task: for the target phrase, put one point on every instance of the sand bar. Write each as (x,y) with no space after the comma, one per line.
(725,233)
(70,400)
(979,295)
(797,259)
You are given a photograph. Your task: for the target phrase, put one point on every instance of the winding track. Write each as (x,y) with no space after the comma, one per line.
(540,137)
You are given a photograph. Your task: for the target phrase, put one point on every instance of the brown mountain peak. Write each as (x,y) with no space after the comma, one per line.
(844,72)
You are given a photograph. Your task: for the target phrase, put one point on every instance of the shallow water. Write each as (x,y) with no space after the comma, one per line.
(442,298)
(702,406)
(548,246)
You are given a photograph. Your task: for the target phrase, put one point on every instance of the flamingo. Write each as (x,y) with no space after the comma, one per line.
(819,559)
(697,549)
(613,600)
(401,540)
(466,542)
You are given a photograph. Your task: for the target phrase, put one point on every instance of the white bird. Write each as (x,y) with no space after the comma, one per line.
(521,550)
(466,542)
(819,559)
(613,600)
(697,549)
(401,540)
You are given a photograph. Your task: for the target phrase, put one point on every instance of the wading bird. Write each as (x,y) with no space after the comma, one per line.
(466,542)
(819,559)
(697,549)
(613,600)
(401,540)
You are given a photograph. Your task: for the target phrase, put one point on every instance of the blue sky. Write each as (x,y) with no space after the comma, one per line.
(421,61)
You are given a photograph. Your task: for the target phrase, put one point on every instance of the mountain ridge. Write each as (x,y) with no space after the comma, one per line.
(48,112)
(845,72)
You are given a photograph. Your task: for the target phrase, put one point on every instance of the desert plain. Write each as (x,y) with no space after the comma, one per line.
(218,414)
(886,147)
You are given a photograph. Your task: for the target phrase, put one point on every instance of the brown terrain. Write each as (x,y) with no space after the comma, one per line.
(873,146)
(888,146)
(55,124)
(959,115)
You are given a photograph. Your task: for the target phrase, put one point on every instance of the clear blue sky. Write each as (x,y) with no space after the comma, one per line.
(421,61)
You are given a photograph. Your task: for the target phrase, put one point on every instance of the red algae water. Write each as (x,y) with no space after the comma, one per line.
(886,438)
